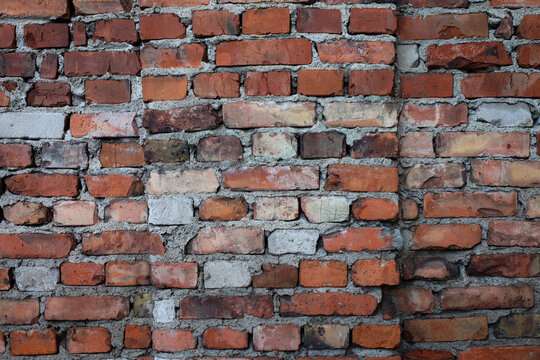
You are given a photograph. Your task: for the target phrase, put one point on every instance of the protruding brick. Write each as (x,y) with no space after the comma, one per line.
(223,209)
(33,342)
(89,340)
(161,26)
(226,307)
(450,236)
(314,20)
(103,125)
(361,239)
(46,36)
(215,22)
(19,312)
(367,52)
(271,178)
(478,204)
(182,181)
(264,52)
(121,155)
(116,30)
(276,337)
(331,144)
(137,337)
(276,208)
(82,274)
(183,56)
(377,336)
(233,240)
(225,338)
(174,275)
(75,213)
(323,337)
(375,272)
(276,277)
(101,186)
(372,21)
(241,115)
(220,148)
(361,178)
(375,209)
(445,329)
(323,273)
(504,265)
(444,26)
(131,211)
(172,340)
(45,185)
(423,176)
(325,304)
(122,242)
(196,118)
(266,21)
(487,297)
(27,213)
(107,91)
(36,246)
(163,88)
(438,115)
(80,308)
(427,85)
(428,268)
(217,85)
(360,114)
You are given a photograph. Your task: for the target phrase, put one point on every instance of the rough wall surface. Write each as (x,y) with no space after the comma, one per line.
(346,179)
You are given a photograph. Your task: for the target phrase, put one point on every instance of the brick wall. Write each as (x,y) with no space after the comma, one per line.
(336,179)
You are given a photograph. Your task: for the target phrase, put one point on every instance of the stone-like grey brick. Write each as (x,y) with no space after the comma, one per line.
(501,114)
(36,278)
(170,210)
(407,57)
(224,274)
(37,125)
(164,311)
(293,241)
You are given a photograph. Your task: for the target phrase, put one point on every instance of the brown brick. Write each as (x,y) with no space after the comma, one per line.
(367,52)
(230,240)
(514,233)
(116,185)
(223,209)
(375,272)
(528,56)
(33,342)
(225,338)
(324,304)
(507,265)
(529,27)
(215,22)
(450,236)
(377,336)
(131,211)
(322,145)
(36,246)
(217,85)
(375,209)
(220,148)
(425,176)
(16,155)
(416,145)
(445,329)
(361,178)
(163,88)
(323,273)
(470,56)
(276,277)
(501,84)
(5,281)
(506,173)
(196,118)
(275,83)
(116,30)
(90,7)
(121,155)
(27,213)
(38,8)
(183,56)
(276,337)
(427,85)
(428,268)
(46,36)
(45,185)
(88,340)
(313,20)
(487,297)
(271,178)
(166,151)
(438,115)
(19,312)
(375,145)
(49,66)
(121,273)
(500,352)
(226,307)
(320,82)
(15,64)
(100,63)
(107,91)
(266,21)
(322,337)
(358,239)
(79,33)
(137,337)
(478,204)
(174,275)
(79,308)
(445,26)
(172,340)
(372,21)
(75,213)
(161,26)
(7,36)
(412,300)
(104,125)
(50,94)
(469,144)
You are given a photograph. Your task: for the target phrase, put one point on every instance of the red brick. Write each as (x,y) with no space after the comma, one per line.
(38,8)
(477,204)
(372,21)
(215,22)
(324,304)
(107,91)
(501,352)
(90,7)
(226,307)
(514,233)
(75,213)
(358,239)
(438,115)
(79,308)
(264,52)
(320,82)
(100,63)
(161,26)
(82,274)
(163,88)
(377,336)
(427,176)
(15,64)
(121,273)
(450,236)
(361,178)
(367,52)
(137,337)
(416,145)
(116,30)
(314,20)
(36,246)
(445,329)
(276,337)
(470,56)
(49,67)
(225,338)
(409,209)
(276,277)
(5,281)
(266,21)
(323,273)
(223,209)
(33,342)
(102,186)
(174,275)
(172,340)
(195,118)
(19,312)
(15,155)
(2,343)
(131,211)
(469,144)
(230,240)
(163,3)
(46,36)
(183,56)
(528,56)
(7,36)
(122,242)
(375,272)
(487,297)
(503,84)
(46,185)
(4,99)
(216,85)
(88,340)
(445,26)
(375,209)
(507,173)
(79,33)
(438,3)
(529,27)
(116,155)
(271,178)
(507,265)
(427,85)
(411,300)
(50,94)
(428,354)
(505,28)
(27,213)
(275,83)
(371,82)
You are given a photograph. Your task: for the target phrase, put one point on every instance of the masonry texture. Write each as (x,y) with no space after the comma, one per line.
(250,179)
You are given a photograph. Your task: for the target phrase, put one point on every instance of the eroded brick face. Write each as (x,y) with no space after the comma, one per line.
(254,179)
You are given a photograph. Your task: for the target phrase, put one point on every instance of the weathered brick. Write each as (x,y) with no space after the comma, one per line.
(5,280)
(514,233)
(319,209)
(412,300)
(215,22)
(64,155)
(367,52)
(232,240)
(438,115)
(33,342)
(17,64)
(7,36)
(195,118)
(375,272)
(27,213)
(450,236)
(82,274)
(223,209)
(37,125)
(46,36)
(220,148)
(371,82)
(2,343)
(163,88)
(361,178)
(487,297)
(445,26)
(478,204)
(132,211)
(49,66)
(276,277)
(182,181)
(121,273)
(416,145)
(266,21)
(359,239)
(500,352)
(143,305)
(45,185)
(445,329)
(268,114)
(48,8)
(79,33)
(116,30)
(271,178)
(274,145)
(469,56)
(183,56)
(264,52)
(161,26)
(469,144)
(49,94)
(19,312)
(163,3)
(79,308)
(528,56)
(107,91)
(36,278)
(170,210)
(174,275)
(507,265)
(322,273)
(375,209)
(501,84)
(117,185)
(36,246)
(322,145)
(518,326)
(372,21)
(427,85)
(428,268)
(293,241)
(377,336)
(314,20)
(121,155)
(276,337)
(505,115)
(438,3)
(166,151)
(90,7)
(217,85)
(276,208)
(137,337)
(529,28)
(444,175)
(225,338)
(533,207)
(226,307)
(409,209)
(100,63)
(275,83)
(325,304)
(351,115)
(15,155)
(506,173)
(88,340)
(172,340)
(322,337)
(75,213)
(122,242)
